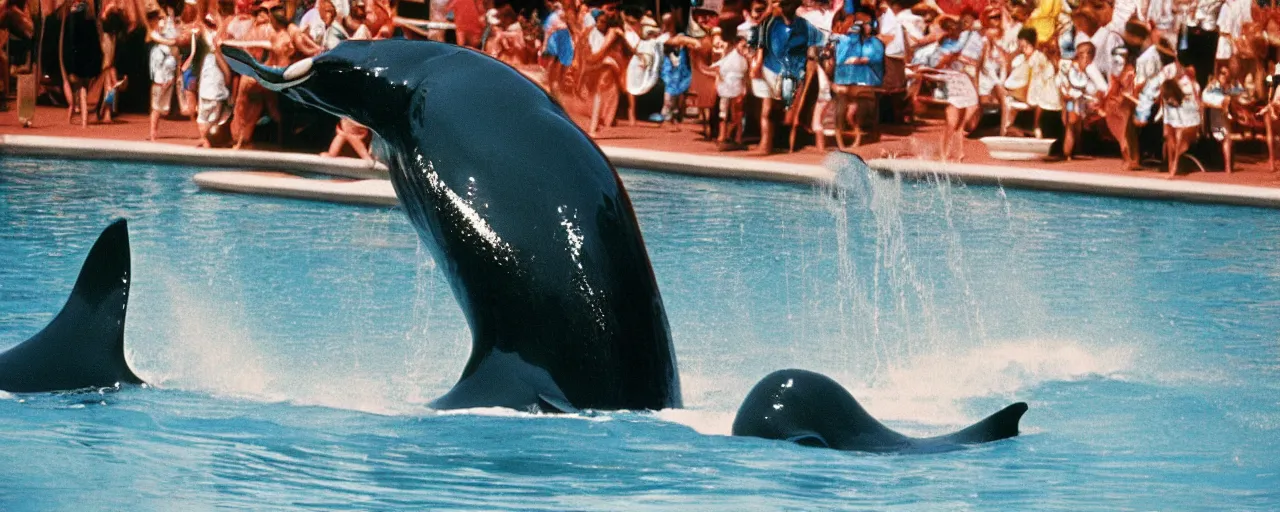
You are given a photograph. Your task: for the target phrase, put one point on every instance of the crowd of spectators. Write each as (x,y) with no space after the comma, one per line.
(1153,77)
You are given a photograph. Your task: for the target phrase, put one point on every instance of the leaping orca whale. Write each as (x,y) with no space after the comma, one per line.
(83,346)
(521,210)
(810,409)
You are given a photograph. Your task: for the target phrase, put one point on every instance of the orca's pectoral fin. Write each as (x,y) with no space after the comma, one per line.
(503,379)
(1001,425)
(83,346)
(811,439)
(555,403)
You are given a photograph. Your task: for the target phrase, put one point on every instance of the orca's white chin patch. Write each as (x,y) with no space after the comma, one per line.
(295,74)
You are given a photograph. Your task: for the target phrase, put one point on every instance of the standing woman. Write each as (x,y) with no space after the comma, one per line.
(1120,104)
(702,84)
(859,69)
(162,33)
(962,95)
(81,49)
(602,74)
(1181,97)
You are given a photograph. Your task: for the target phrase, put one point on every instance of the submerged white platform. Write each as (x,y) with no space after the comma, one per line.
(374,192)
(106,149)
(78,148)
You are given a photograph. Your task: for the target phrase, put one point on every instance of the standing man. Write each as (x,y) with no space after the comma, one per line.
(788,43)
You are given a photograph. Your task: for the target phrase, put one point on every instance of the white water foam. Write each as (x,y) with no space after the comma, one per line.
(934,389)
(207,348)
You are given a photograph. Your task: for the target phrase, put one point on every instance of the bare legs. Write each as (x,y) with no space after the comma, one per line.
(76,91)
(1072,121)
(953,134)
(766,127)
(819,133)
(348,132)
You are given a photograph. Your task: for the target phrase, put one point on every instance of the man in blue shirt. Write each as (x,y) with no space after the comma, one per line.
(787,44)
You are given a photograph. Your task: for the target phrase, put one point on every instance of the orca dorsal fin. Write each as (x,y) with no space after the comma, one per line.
(83,346)
(1001,425)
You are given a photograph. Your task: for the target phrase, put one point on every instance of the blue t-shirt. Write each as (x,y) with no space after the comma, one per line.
(871,73)
(787,46)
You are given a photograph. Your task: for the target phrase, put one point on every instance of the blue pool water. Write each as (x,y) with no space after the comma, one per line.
(293,346)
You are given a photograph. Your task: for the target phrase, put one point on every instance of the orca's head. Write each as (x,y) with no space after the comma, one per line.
(369,82)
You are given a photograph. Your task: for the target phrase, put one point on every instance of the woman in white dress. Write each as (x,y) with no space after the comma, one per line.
(1181,97)
(962,94)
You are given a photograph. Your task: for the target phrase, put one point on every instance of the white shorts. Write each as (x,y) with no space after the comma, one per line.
(1226,48)
(824,86)
(162,97)
(767,86)
(210,111)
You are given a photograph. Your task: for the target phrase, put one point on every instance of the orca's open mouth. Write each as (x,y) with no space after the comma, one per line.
(273,78)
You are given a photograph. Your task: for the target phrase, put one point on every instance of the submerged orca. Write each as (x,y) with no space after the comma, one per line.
(522,211)
(810,409)
(82,347)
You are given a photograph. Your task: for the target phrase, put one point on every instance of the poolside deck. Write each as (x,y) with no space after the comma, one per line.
(649,146)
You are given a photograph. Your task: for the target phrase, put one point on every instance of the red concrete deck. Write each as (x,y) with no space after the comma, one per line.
(897,142)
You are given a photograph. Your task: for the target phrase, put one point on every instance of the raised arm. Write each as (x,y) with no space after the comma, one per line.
(247,45)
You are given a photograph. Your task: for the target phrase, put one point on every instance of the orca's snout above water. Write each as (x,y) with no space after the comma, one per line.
(273,78)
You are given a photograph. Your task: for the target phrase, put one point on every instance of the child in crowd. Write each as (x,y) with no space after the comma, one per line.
(1032,80)
(731,86)
(1080,84)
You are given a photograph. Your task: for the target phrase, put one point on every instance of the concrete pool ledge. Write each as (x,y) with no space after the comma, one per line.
(1083,182)
(77,148)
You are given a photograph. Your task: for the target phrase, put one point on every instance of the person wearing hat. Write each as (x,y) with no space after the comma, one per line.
(645,67)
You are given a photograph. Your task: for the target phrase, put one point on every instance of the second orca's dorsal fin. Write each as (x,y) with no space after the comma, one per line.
(1001,425)
(83,346)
